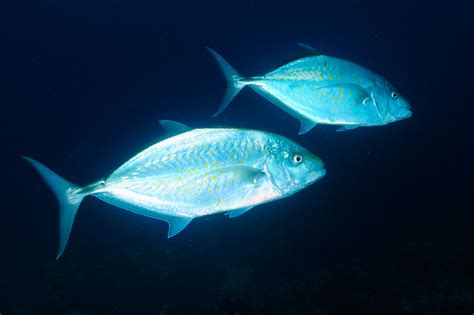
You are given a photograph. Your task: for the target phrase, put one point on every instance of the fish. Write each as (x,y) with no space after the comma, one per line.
(194,173)
(319,89)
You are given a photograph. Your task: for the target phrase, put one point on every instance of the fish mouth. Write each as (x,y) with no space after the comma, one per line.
(316,175)
(404,115)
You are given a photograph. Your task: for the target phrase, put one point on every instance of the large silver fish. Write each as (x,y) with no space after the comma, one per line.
(319,89)
(192,174)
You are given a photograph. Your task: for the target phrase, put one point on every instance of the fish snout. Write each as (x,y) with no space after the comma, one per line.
(403,114)
(316,175)
(403,109)
(316,170)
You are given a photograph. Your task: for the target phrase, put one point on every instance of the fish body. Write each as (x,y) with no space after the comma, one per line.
(319,89)
(195,173)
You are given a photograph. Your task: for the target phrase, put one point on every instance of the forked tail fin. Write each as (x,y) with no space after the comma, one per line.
(69,196)
(234,84)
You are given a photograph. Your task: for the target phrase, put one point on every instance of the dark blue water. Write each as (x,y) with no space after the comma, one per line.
(389,230)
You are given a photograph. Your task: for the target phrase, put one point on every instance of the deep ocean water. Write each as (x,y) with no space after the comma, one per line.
(388,230)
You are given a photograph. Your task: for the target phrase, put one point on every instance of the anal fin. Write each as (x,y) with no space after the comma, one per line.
(306,125)
(177,224)
(346,127)
(238,212)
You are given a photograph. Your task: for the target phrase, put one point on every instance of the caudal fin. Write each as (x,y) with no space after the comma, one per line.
(234,85)
(69,197)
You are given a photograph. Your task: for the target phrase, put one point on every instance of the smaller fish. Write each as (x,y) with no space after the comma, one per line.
(194,173)
(318,89)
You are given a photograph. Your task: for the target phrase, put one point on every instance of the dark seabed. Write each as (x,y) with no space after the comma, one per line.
(389,230)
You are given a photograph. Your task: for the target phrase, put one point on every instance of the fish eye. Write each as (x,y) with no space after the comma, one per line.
(297,158)
(394,95)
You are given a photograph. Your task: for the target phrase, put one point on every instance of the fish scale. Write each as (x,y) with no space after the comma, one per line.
(188,170)
(319,89)
(195,173)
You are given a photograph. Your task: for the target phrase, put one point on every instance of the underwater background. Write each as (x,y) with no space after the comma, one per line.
(388,230)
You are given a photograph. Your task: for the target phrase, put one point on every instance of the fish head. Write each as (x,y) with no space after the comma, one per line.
(293,168)
(391,106)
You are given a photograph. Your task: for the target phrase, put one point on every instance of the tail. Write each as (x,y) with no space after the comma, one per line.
(69,196)
(234,84)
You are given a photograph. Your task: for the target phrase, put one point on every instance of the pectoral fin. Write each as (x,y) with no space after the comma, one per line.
(368,101)
(357,92)
(237,212)
(247,174)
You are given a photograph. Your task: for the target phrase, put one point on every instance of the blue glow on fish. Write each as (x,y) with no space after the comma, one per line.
(195,173)
(319,89)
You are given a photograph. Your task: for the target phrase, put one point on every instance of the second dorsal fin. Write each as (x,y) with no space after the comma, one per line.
(310,50)
(173,128)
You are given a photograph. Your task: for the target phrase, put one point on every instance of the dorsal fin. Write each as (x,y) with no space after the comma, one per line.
(173,128)
(310,50)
